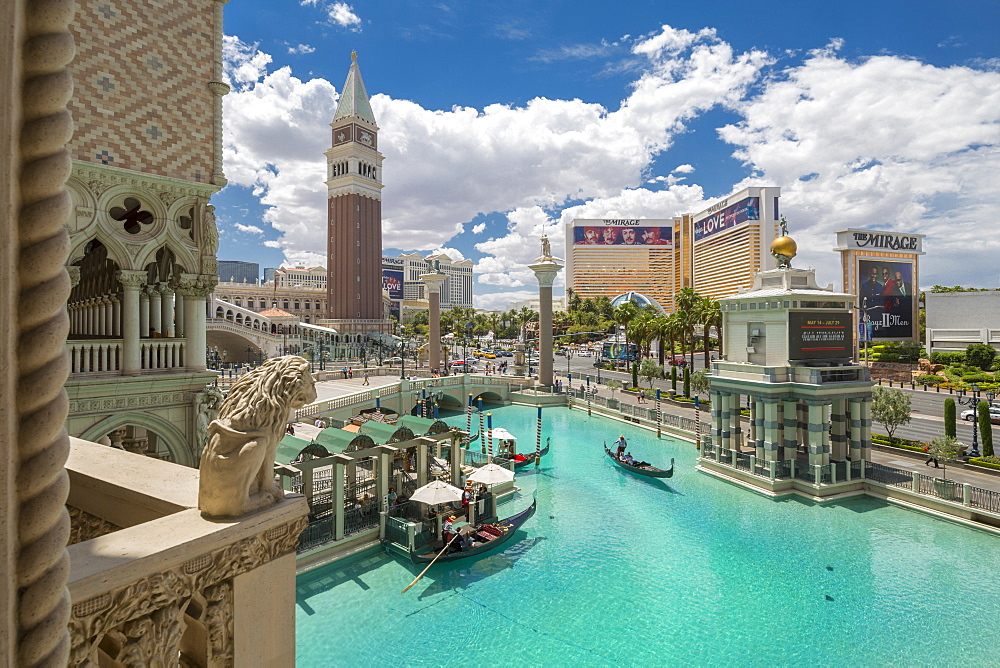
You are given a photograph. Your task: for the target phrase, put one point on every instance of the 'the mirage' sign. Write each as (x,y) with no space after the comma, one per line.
(875,240)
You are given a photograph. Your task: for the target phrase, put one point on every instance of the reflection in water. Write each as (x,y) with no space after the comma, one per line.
(460,578)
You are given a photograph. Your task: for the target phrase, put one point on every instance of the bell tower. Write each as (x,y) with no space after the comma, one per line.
(354,213)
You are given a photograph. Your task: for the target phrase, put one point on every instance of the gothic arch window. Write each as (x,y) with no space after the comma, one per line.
(132,215)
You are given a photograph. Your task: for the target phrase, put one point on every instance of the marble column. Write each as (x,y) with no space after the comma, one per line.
(155,309)
(144,312)
(838,430)
(791,428)
(546,269)
(131,282)
(817,429)
(772,429)
(434,281)
(179,314)
(866,428)
(107,317)
(167,306)
(116,316)
(195,289)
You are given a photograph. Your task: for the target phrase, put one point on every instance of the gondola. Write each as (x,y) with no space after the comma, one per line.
(506,528)
(649,471)
(530,459)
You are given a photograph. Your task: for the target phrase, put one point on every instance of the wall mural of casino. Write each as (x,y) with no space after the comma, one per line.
(886,298)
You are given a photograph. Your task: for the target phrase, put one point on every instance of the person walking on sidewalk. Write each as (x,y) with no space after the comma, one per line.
(930,458)
(366,379)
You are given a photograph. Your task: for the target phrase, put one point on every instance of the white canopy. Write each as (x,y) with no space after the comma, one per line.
(503,435)
(491,474)
(437,492)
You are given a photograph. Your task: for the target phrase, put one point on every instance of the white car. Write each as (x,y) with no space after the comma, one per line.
(586,353)
(970,414)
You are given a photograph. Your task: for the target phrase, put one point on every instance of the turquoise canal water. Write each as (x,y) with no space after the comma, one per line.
(614,569)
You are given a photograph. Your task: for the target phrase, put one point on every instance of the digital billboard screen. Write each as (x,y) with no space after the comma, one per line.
(392,282)
(818,335)
(623,235)
(731,216)
(885,295)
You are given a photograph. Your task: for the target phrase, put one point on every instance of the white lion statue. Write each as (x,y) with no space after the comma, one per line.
(237,463)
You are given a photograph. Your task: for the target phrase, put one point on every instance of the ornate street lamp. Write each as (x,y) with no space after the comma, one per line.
(569,356)
(973,403)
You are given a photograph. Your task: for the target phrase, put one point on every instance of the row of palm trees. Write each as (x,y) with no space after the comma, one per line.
(693,312)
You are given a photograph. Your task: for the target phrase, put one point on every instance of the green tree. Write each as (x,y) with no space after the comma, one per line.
(890,408)
(945,449)
(950,415)
(986,428)
(649,370)
(673,379)
(687,303)
(709,314)
(687,382)
(613,385)
(980,355)
(700,383)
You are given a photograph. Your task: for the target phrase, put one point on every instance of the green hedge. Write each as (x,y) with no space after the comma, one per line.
(982,461)
(915,446)
(948,358)
(930,379)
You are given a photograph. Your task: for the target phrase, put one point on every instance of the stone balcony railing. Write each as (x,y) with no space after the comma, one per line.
(102,357)
(152,582)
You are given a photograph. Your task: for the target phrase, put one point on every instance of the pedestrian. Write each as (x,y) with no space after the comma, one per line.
(366,379)
(642,396)
(350,372)
(344,371)
(466,498)
(290,430)
(930,458)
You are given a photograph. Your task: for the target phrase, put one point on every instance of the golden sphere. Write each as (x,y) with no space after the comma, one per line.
(784,247)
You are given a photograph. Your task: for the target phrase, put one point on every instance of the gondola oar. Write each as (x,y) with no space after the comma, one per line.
(443,549)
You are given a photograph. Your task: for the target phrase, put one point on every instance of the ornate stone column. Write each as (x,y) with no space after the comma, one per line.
(434,281)
(155,309)
(818,452)
(116,316)
(181,330)
(791,428)
(108,316)
(167,308)
(131,282)
(546,268)
(195,288)
(144,310)
(36,46)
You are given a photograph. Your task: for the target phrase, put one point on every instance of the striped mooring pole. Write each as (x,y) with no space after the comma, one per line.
(658,414)
(489,430)
(468,417)
(538,438)
(482,430)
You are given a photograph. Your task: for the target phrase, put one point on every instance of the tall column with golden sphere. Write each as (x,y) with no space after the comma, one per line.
(546,268)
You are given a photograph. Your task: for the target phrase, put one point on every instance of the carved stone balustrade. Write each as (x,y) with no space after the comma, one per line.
(154,583)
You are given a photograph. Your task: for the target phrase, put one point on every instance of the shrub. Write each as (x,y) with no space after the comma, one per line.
(977,377)
(980,355)
(950,414)
(930,379)
(889,357)
(986,462)
(948,358)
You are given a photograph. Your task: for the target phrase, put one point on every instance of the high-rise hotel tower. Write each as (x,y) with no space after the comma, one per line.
(354,214)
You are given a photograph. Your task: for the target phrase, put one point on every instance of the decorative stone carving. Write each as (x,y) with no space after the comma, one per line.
(218,621)
(546,247)
(84,526)
(206,406)
(106,613)
(237,475)
(209,231)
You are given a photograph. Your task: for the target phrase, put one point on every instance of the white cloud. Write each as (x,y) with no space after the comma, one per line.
(886,143)
(501,158)
(301,48)
(479,228)
(682,169)
(343,15)
(453,253)
(242,63)
(249,229)
(502,301)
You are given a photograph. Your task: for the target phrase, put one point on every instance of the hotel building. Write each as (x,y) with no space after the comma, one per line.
(716,251)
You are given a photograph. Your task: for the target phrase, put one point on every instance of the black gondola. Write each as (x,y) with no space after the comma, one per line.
(530,459)
(505,527)
(648,470)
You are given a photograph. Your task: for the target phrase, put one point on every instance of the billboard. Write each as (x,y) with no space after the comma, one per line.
(392,282)
(885,295)
(818,335)
(730,216)
(619,234)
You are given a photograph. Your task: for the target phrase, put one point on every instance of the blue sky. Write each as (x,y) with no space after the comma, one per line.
(499,121)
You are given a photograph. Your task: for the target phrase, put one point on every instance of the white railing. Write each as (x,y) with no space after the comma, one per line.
(95,356)
(162,353)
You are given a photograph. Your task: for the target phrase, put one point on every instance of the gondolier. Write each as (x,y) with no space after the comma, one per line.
(622,445)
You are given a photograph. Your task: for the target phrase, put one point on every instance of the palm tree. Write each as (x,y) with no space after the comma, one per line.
(710,314)
(687,300)
(623,315)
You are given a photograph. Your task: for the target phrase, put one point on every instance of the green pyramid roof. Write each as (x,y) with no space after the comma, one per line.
(354,97)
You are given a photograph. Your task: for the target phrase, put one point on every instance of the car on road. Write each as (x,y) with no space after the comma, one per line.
(970,414)
(462,366)
(393,360)
(585,353)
